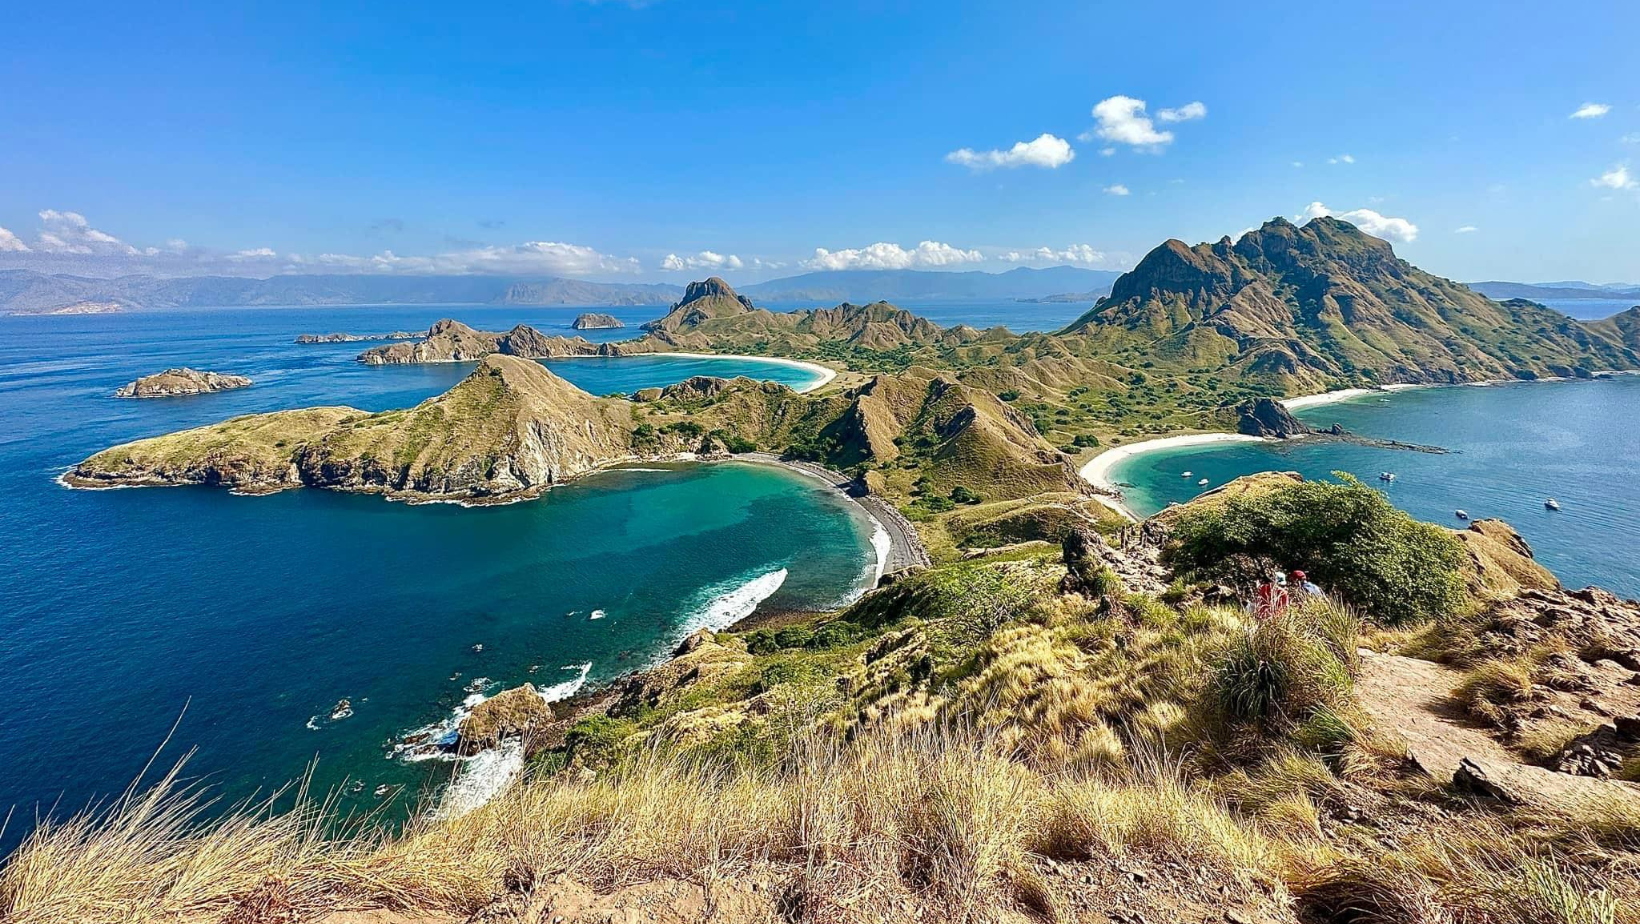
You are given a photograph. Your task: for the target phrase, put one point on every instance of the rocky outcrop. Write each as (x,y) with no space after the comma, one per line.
(508,714)
(358,338)
(1596,624)
(182,381)
(1270,419)
(595,321)
(1501,564)
(450,341)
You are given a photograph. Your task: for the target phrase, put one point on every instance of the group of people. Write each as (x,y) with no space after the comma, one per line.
(1279,591)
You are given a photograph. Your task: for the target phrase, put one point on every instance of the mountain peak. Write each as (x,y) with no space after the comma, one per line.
(714,288)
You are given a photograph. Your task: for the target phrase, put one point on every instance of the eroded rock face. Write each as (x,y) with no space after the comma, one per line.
(1596,623)
(182,381)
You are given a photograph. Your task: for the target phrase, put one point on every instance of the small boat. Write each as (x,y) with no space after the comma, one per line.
(1386,476)
(478,649)
(1461,514)
(1202,482)
(1186,475)
(597,614)
(1551,504)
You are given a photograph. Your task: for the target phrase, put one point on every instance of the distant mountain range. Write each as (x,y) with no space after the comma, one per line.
(864,286)
(30,292)
(1555,290)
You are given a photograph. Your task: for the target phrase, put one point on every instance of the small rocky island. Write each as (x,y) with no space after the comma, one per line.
(358,338)
(450,341)
(592,320)
(183,381)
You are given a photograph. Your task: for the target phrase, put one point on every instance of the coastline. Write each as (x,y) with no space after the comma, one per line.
(1097,470)
(905,549)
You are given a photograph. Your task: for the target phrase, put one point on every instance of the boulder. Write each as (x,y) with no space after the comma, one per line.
(510,713)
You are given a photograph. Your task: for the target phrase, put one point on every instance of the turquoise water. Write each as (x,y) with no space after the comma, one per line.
(1515,446)
(120,609)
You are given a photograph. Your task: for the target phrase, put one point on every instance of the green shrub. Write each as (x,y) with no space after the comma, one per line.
(595,739)
(962,495)
(1347,536)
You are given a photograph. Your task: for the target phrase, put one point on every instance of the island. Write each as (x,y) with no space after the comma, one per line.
(450,341)
(593,320)
(184,381)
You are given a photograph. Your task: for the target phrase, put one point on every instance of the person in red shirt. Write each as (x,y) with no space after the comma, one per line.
(1271,599)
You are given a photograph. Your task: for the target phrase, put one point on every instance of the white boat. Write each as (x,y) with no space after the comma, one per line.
(597,614)
(1185,475)
(1461,514)
(1202,482)
(1386,476)
(1551,504)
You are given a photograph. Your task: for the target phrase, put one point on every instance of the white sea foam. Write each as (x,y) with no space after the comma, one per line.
(553,692)
(883,544)
(731,606)
(481,778)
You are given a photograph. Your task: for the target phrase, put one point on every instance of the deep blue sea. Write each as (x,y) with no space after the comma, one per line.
(1589,309)
(1514,446)
(252,617)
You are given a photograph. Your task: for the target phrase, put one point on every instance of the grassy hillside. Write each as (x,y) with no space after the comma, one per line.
(975,743)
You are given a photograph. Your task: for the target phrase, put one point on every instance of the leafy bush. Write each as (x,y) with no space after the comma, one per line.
(963,495)
(1347,536)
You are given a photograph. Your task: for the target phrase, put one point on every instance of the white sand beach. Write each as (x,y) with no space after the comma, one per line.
(826,374)
(1097,470)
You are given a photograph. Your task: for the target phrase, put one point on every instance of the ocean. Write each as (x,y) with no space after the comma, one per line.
(1514,446)
(245,621)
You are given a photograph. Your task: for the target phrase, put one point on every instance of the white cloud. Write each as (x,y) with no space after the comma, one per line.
(69,232)
(11,243)
(549,257)
(706,259)
(259,253)
(1616,178)
(1369,221)
(1341,159)
(1107,152)
(1630,138)
(1083,254)
(1590,111)
(892,256)
(1116,189)
(1046,150)
(1466,229)
(1122,120)
(1298,163)
(1185,113)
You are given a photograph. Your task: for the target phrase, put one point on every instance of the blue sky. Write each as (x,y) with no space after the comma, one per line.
(599,139)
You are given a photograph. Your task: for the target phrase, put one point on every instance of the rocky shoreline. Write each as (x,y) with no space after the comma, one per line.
(182,381)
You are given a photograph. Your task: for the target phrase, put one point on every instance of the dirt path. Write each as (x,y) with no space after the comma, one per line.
(1414,698)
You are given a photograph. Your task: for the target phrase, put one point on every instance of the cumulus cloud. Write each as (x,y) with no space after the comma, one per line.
(1382,226)
(1122,120)
(1466,229)
(1082,254)
(550,257)
(1616,178)
(1590,111)
(1186,113)
(706,259)
(1046,150)
(1341,159)
(69,232)
(1116,189)
(258,253)
(879,256)
(11,243)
